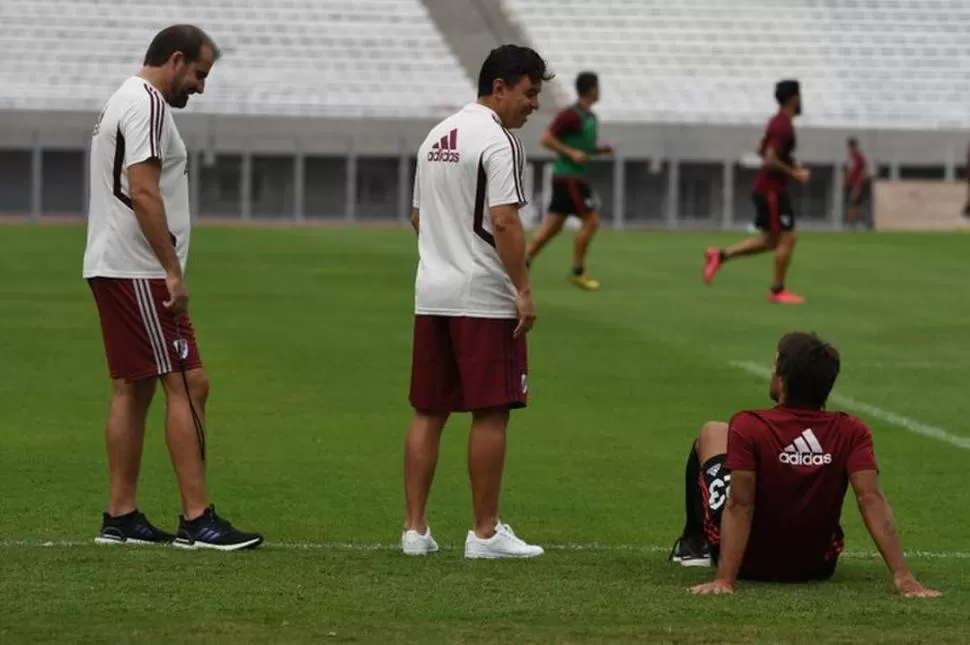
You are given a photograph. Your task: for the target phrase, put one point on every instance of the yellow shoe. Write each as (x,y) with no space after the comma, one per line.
(584,282)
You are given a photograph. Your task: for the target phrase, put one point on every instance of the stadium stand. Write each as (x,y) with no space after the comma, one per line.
(283,57)
(893,64)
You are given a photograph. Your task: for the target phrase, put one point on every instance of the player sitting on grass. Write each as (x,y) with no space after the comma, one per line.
(764,492)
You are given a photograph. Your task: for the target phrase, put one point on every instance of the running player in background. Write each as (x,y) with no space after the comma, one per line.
(856,182)
(764,492)
(774,215)
(572,135)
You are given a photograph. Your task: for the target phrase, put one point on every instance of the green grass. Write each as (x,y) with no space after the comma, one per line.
(306,337)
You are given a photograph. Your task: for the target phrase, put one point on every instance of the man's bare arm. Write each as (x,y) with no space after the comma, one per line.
(736,525)
(878,517)
(415,219)
(146,201)
(550,142)
(510,244)
(772,161)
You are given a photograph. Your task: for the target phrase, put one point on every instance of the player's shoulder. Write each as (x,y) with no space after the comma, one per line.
(780,122)
(138,94)
(848,422)
(748,420)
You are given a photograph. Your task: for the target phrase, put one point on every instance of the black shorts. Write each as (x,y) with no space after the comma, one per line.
(858,201)
(773,212)
(572,196)
(715,482)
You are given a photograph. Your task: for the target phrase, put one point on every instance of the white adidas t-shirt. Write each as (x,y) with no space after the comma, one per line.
(135,125)
(467,164)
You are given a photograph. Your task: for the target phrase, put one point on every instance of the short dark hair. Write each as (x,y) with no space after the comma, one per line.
(510,63)
(586,82)
(187,39)
(808,367)
(853,142)
(785,90)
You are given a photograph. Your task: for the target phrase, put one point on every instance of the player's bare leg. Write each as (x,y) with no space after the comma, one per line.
(420,461)
(714,257)
(590,224)
(486,461)
(124,439)
(783,255)
(549,229)
(711,440)
(182,439)
(852,215)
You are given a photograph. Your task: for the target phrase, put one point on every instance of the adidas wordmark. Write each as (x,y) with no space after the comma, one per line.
(805,450)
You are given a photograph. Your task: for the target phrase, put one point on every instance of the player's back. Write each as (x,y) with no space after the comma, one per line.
(802,458)
(460,166)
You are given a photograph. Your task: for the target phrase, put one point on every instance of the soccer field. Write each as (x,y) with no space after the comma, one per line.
(306,337)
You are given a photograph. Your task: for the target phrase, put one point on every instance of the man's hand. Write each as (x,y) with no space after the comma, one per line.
(605,149)
(578,156)
(717,587)
(526,310)
(909,587)
(178,295)
(802,174)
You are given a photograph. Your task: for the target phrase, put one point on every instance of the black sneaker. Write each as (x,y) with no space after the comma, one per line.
(209,531)
(691,552)
(133,528)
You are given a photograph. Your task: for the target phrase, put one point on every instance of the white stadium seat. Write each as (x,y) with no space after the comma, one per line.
(283,57)
(872,63)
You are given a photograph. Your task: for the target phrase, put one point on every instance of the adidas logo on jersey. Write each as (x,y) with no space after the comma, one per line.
(805,450)
(446,150)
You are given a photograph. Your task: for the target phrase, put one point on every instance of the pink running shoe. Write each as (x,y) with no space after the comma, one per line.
(785,297)
(712,262)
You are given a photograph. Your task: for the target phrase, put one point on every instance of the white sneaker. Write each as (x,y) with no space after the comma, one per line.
(504,544)
(413,543)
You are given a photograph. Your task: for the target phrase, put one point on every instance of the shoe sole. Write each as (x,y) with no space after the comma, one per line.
(417,552)
(694,562)
(116,542)
(501,556)
(197,545)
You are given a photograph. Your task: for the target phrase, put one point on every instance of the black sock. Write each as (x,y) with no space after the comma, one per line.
(578,269)
(693,504)
(778,288)
(528,263)
(722,256)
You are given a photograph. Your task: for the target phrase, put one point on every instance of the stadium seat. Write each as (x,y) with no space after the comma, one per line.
(282,57)
(873,63)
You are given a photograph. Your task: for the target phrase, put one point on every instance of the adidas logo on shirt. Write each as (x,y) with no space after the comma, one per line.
(805,450)
(445,150)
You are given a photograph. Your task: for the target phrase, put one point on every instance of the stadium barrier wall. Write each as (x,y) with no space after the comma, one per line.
(915,205)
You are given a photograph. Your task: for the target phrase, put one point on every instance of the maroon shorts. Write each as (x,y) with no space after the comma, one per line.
(141,338)
(462,364)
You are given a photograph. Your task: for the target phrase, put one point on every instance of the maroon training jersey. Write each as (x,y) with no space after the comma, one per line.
(780,135)
(802,458)
(856,170)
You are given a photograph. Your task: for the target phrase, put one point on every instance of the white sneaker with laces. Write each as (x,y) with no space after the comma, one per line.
(413,543)
(504,544)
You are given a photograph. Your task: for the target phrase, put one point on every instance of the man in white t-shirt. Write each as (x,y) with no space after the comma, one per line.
(473,303)
(137,246)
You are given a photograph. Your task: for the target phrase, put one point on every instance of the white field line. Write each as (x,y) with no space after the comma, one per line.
(370,547)
(898,420)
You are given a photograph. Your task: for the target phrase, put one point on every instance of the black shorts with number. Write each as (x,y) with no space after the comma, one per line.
(773,212)
(715,482)
(572,196)
(860,199)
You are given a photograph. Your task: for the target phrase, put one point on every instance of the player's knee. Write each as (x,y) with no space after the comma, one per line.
(592,222)
(138,392)
(198,385)
(771,240)
(712,435)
